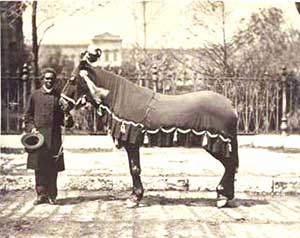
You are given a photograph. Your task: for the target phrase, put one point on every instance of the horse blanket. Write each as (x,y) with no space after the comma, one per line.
(132,111)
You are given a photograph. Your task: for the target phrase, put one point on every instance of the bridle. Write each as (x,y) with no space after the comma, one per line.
(64,98)
(94,91)
(88,57)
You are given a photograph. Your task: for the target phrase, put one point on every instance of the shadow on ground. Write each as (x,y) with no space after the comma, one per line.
(151,200)
(82,199)
(209,202)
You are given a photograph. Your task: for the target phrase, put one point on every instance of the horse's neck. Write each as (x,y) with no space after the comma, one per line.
(110,81)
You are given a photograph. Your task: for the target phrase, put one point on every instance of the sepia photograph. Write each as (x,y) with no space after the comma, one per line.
(150,119)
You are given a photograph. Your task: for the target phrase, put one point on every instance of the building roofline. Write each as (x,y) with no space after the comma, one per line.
(65,45)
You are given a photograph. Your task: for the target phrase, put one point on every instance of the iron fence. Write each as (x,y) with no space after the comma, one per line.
(13,100)
(258,101)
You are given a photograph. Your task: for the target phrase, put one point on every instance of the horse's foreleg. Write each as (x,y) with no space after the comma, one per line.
(133,153)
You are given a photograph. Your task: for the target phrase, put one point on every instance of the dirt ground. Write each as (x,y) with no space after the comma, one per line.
(179,199)
(161,214)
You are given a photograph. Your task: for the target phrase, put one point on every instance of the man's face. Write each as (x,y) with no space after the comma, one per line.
(49,79)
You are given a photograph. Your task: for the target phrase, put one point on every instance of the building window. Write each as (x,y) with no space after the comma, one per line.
(115,56)
(106,53)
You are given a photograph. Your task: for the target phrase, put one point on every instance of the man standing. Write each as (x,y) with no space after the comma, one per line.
(45,115)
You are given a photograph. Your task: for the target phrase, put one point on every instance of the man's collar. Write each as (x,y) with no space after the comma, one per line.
(46,90)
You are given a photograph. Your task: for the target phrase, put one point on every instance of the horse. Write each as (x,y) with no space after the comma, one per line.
(132,112)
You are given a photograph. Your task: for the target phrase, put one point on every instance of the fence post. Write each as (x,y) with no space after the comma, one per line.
(7,73)
(174,85)
(18,99)
(283,125)
(170,80)
(95,121)
(154,77)
(33,78)
(195,81)
(162,84)
(24,78)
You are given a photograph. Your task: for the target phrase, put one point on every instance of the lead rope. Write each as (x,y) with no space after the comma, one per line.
(61,149)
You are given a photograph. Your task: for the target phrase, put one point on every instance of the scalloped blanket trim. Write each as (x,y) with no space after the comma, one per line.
(170,130)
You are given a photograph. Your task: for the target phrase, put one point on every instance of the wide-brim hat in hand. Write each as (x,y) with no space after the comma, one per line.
(32,141)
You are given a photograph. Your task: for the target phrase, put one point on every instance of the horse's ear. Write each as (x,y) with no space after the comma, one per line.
(99,52)
(82,54)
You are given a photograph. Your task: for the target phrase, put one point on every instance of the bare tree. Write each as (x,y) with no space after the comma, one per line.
(35,47)
(210,18)
(45,14)
(145,12)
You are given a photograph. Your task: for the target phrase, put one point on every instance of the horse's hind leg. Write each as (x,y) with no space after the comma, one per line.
(133,153)
(225,189)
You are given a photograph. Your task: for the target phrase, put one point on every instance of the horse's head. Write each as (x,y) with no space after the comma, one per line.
(91,56)
(80,89)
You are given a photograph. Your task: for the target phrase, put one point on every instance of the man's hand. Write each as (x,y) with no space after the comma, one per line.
(34,130)
(68,120)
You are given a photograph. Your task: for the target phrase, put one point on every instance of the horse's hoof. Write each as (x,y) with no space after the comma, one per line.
(132,203)
(222,202)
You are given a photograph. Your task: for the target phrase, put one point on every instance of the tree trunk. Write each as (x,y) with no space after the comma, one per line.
(224,39)
(34,45)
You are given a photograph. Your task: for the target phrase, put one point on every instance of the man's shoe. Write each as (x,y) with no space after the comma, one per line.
(52,201)
(40,200)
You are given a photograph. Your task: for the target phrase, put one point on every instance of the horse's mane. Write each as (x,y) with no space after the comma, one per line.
(126,99)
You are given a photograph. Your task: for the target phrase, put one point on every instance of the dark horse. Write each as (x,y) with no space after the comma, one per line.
(131,112)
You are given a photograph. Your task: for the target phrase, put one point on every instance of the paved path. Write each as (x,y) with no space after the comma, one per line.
(161,214)
(82,212)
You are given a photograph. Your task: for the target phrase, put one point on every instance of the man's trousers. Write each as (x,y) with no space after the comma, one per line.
(46,183)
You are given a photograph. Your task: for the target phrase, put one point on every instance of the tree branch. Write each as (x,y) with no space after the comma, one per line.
(43,34)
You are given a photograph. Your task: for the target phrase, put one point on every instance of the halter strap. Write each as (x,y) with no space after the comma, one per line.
(64,96)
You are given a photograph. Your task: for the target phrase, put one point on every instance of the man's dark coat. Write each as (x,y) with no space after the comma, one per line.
(45,114)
